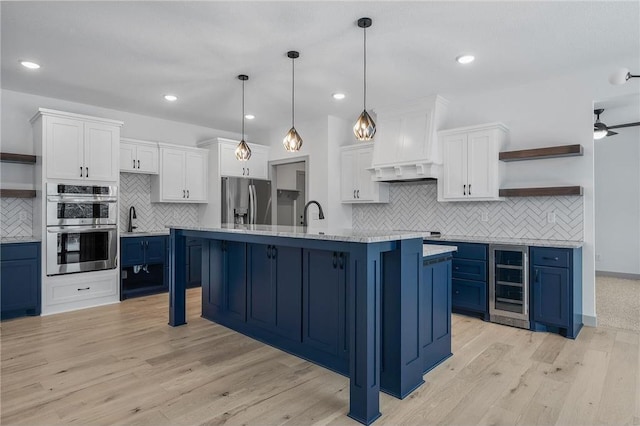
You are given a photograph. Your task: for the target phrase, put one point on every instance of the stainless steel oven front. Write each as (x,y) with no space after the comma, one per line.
(81,205)
(81,248)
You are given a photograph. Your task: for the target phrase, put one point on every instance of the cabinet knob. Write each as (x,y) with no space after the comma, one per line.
(457,291)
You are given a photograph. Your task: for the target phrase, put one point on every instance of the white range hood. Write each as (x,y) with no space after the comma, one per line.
(406,144)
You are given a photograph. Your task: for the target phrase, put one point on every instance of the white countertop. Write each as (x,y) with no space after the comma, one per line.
(337,234)
(433,249)
(13,240)
(505,240)
(145,233)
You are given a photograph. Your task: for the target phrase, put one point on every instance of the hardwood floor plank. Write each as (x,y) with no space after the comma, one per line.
(122,364)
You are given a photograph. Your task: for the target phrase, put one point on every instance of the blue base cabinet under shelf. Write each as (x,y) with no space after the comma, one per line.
(194,262)
(556,290)
(20,271)
(149,257)
(469,278)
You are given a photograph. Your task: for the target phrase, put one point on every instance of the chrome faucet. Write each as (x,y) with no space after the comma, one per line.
(132,215)
(306,207)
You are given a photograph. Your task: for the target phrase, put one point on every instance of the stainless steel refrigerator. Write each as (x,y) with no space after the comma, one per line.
(246,201)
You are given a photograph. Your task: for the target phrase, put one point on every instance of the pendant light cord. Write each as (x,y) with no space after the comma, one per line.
(293,91)
(242,109)
(365,69)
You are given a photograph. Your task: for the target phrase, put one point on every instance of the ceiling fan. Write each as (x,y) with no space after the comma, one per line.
(600,130)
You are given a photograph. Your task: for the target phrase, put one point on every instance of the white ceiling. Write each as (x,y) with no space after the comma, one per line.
(126,55)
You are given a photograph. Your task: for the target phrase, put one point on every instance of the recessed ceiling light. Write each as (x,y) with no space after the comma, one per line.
(30,65)
(171,98)
(338,96)
(465,59)
(249,116)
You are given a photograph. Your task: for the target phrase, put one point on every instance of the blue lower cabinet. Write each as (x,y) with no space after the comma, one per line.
(273,284)
(435,312)
(235,280)
(556,290)
(144,266)
(324,301)
(469,295)
(194,262)
(224,280)
(20,272)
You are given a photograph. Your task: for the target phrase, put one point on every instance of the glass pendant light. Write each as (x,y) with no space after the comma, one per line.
(292,141)
(243,152)
(365,127)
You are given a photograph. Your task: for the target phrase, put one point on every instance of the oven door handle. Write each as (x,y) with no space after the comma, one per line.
(83,200)
(78,229)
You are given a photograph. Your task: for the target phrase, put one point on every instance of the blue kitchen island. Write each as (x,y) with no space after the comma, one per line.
(351,301)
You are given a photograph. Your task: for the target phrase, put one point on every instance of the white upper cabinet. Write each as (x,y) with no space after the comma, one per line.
(182,175)
(79,147)
(138,156)
(355,174)
(472,170)
(255,167)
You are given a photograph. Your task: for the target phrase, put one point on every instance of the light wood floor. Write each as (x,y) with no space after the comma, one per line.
(122,364)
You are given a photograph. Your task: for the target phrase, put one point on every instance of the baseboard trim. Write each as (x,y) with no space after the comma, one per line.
(589,321)
(622,275)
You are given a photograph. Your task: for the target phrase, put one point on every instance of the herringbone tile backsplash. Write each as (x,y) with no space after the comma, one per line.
(10,223)
(135,190)
(414,206)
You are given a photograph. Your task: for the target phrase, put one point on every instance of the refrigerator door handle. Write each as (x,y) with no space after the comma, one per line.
(254,206)
(251,205)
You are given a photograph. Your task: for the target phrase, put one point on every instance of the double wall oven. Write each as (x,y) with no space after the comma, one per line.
(81,228)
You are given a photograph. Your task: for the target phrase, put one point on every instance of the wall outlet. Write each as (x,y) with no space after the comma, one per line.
(22,216)
(551,217)
(484,217)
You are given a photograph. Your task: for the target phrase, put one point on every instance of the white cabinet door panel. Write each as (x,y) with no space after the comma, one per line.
(101,152)
(65,148)
(147,159)
(127,157)
(173,172)
(195,176)
(229,165)
(348,176)
(257,164)
(365,189)
(455,166)
(480,165)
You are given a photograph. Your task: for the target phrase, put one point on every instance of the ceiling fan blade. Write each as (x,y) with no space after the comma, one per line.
(619,126)
(610,133)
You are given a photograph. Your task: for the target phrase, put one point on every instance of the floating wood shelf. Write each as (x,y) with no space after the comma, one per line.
(538,153)
(541,192)
(18,193)
(8,157)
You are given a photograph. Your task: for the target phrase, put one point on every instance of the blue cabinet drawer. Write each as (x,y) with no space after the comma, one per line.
(19,251)
(546,256)
(473,251)
(470,295)
(470,269)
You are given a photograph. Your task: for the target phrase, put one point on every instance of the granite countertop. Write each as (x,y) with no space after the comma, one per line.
(433,249)
(159,232)
(13,240)
(506,240)
(333,234)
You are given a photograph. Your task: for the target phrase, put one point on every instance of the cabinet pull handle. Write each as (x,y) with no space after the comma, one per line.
(358,193)
(80,171)
(134,164)
(146,244)
(247,171)
(243,171)
(536,275)
(354,193)
(464,189)
(141,243)
(86,288)
(138,163)
(223,246)
(268,249)
(87,171)
(469,189)
(341,260)
(187,193)
(335,260)
(274,252)
(184,194)
(551,258)
(457,291)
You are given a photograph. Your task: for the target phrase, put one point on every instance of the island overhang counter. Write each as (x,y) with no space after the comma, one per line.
(344,299)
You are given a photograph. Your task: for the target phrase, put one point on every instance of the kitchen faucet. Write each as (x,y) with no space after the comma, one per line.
(132,215)
(306,207)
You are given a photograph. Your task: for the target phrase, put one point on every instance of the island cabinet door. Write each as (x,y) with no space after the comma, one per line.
(324,301)
(223,280)
(261,297)
(235,280)
(287,275)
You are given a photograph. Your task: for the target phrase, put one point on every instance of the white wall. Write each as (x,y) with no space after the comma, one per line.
(617,198)
(321,139)
(287,175)
(16,135)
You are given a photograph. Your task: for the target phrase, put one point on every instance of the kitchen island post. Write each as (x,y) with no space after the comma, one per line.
(309,263)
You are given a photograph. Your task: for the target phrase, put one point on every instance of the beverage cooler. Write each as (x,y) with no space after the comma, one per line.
(509,285)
